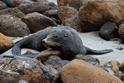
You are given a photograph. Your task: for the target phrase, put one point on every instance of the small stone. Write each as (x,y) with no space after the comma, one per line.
(121,31)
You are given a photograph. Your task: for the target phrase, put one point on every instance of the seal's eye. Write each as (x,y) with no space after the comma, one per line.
(65,35)
(55,36)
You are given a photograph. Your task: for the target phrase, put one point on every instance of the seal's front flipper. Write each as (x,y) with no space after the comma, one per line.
(91,51)
(27,54)
(8,56)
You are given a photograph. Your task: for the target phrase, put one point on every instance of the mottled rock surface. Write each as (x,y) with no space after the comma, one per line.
(16,3)
(86,58)
(121,31)
(71,3)
(12,11)
(37,7)
(8,2)
(31,70)
(79,71)
(69,17)
(55,62)
(51,13)
(5,43)
(2,5)
(94,14)
(9,77)
(36,21)
(13,26)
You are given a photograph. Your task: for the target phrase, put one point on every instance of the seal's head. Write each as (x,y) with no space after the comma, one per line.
(57,39)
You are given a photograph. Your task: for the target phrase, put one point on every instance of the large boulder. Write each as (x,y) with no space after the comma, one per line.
(9,77)
(69,17)
(2,5)
(12,11)
(5,43)
(79,71)
(13,26)
(31,70)
(40,7)
(36,21)
(95,14)
(71,3)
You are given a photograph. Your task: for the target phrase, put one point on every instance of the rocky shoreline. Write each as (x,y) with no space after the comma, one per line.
(22,18)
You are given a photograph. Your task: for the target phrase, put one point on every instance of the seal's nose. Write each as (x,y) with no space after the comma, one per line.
(43,41)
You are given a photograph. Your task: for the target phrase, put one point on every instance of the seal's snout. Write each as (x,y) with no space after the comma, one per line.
(44,41)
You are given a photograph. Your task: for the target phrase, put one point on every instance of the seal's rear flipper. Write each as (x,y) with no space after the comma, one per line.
(91,51)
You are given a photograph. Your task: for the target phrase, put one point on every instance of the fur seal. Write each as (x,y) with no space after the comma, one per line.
(108,30)
(62,38)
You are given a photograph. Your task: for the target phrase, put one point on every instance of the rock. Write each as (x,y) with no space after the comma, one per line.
(121,31)
(40,7)
(55,62)
(9,77)
(8,2)
(79,71)
(87,58)
(51,13)
(2,5)
(36,21)
(5,43)
(13,26)
(108,31)
(40,0)
(12,11)
(95,14)
(3,61)
(16,3)
(31,70)
(119,48)
(71,3)
(69,17)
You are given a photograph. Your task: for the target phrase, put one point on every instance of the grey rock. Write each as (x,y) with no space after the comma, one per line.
(55,62)
(40,7)
(9,77)
(86,58)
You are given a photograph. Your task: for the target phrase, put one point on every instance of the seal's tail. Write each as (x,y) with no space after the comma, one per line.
(91,51)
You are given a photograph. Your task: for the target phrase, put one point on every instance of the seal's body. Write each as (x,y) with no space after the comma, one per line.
(62,38)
